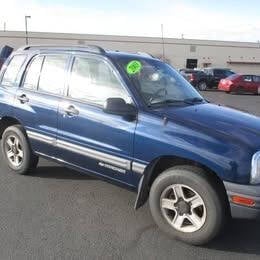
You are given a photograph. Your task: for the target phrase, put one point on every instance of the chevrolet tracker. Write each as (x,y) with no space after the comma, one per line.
(133,120)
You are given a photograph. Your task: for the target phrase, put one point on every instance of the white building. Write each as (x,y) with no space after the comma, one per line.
(242,57)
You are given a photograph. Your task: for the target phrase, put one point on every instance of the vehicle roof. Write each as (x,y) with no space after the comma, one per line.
(118,54)
(191,70)
(249,75)
(83,49)
(216,68)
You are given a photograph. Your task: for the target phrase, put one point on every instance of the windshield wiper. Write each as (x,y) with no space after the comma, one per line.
(193,100)
(189,101)
(167,102)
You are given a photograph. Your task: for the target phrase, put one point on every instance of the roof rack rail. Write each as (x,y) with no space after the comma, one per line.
(87,48)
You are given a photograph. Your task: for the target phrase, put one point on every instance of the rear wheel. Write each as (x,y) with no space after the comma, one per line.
(202,85)
(17,151)
(185,204)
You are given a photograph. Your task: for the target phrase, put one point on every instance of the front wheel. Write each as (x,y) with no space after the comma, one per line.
(202,86)
(17,151)
(185,204)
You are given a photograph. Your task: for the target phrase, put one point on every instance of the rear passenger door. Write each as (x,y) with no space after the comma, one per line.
(37,100)
(256,87)
(88,137)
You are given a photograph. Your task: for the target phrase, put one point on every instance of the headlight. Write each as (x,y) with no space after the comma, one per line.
(255,170)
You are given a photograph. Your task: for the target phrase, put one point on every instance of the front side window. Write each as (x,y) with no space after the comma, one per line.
(247,78)
(94,81)
(157,82)
(52,78)
(11,73)
(33,72)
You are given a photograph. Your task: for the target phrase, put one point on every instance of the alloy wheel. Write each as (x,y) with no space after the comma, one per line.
(14,151)
(202,86)
(183,208)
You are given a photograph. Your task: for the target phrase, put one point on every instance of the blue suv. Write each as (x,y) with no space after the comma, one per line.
(132,120)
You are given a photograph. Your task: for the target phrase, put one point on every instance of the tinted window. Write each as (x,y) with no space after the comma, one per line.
(33,72)
(256,79)
(229,73)
(94,81)
(219,73)
(12,70)
(52,76)
(233,76)
(223,73)
(208,72)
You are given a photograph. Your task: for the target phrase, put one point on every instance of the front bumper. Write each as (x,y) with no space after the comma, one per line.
(247,191)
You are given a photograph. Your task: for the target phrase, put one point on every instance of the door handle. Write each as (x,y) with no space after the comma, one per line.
(23,99)
(71,111)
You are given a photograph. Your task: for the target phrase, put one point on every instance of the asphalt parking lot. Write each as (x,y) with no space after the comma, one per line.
(59,214)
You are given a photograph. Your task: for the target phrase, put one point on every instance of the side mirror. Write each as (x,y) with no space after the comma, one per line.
(118,106)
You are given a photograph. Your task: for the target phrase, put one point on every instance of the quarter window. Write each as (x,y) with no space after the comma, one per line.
(93,80)
(11,73)
(52,76)
(33,73)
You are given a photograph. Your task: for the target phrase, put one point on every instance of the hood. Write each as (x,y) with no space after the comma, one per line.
(217,120)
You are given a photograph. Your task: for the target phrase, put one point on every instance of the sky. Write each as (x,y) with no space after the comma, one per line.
(233,20)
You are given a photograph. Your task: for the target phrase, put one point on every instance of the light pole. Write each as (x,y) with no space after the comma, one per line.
(163,50)
(26,31)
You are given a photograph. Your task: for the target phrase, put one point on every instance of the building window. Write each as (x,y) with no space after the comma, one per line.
(191,63)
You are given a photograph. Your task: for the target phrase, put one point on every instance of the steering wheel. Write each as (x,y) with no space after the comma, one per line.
(156,94)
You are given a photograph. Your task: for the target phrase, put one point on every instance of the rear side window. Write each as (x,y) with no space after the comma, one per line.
(11,73)
(32,74)
(219,73)
(52,76)
(256,79)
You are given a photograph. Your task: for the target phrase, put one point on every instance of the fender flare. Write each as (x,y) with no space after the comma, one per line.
(143,190)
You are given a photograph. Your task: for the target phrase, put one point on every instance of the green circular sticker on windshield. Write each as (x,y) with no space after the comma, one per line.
(133,67)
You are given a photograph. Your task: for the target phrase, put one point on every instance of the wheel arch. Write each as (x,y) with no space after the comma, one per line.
(159,165)
(7,121)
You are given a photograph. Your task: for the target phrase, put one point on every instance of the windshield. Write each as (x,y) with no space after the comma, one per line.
(158,83)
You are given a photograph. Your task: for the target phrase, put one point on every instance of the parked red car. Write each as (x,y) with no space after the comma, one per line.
(240,83)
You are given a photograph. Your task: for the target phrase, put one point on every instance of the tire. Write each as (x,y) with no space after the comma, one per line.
(240,90)
(202,86)
(212,215)
(17,152)
(227,92)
